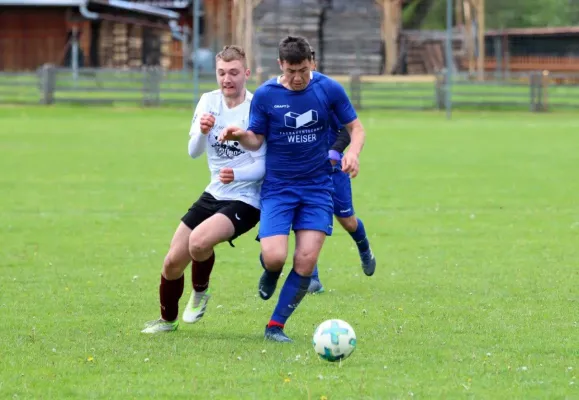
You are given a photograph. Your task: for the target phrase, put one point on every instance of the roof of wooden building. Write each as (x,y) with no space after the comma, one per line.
(546,31)
(85,7)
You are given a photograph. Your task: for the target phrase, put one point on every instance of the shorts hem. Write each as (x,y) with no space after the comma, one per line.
(326,231)
(270,234)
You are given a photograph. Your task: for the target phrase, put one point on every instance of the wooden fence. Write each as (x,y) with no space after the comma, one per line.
(534,91)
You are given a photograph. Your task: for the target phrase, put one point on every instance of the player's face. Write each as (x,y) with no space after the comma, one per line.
(231,77)
(297,76)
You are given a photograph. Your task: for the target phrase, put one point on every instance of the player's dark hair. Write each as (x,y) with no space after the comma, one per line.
(294,50)
(231,53)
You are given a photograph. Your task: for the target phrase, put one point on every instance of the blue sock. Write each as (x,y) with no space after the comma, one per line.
(293,291)
(315,274)
(359,236)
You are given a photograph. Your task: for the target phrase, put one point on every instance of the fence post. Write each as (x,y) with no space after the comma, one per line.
(152,87)
(355,90)
(439,90)
(544,91)
(47,75)
(533,92)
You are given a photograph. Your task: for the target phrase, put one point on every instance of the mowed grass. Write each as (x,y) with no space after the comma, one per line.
(474,222)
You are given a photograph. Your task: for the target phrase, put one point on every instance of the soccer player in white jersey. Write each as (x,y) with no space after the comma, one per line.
(229,206)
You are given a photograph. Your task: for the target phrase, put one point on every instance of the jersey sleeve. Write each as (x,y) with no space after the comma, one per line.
(198,141)
(340,103)
(258,116)
(260,153)
(201,108)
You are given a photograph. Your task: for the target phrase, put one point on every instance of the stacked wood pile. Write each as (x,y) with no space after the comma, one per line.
(135,47)
(298,17)
(425,51)
(352,38)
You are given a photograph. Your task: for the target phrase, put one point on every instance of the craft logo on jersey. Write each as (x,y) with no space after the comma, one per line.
(296,121)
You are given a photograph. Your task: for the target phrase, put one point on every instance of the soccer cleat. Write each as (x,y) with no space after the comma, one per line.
(267,284)
(368,262)
(315,287)
(160,325)
(276,334)
(194,313)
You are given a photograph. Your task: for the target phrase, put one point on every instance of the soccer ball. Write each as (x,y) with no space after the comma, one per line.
(334,340)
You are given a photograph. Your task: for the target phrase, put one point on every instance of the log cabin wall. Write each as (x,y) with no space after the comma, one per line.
(30,37)
(218,24)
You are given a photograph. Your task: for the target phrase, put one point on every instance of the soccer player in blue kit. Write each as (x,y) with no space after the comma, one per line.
(292,113)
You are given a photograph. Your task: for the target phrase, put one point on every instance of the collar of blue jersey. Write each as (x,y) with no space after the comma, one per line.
(279,77)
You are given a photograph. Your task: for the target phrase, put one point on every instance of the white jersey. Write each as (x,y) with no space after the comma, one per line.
(228,154)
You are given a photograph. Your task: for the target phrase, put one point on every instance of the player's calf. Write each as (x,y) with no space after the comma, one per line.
(172,282)
(350,224)
(357,231)
(214,230)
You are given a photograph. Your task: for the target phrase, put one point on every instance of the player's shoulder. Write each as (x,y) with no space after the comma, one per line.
(248,96)
(212,97)
(324,80)
(264,88)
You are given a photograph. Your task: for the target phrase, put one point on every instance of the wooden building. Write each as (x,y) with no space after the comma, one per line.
(216,25)
(533,49)
(107,33)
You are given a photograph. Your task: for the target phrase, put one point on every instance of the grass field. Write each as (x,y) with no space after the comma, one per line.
(474,222)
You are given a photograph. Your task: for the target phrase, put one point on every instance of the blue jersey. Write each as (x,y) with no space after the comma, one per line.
(297,126)
(336,127)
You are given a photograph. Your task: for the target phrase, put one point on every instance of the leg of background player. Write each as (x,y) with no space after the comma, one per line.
(355,227)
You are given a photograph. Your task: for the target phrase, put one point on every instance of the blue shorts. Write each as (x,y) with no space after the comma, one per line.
(343,204)
(297,208)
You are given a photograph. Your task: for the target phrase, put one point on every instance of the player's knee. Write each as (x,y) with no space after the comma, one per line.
(199,246)
(350,224)
(305,261)
(274,258)
(174,264)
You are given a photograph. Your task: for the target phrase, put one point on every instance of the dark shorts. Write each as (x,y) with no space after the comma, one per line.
(243,216)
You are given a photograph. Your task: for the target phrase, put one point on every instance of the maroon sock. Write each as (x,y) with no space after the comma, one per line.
(201,270)
(170,292)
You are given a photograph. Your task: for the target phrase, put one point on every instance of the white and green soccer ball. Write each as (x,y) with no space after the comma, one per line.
(334,340)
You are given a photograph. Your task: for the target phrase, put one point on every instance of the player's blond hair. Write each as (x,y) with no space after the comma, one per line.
(232,53)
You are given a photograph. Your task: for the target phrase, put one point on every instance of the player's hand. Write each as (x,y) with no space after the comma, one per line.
(226,175)
(333,162)
(230,133)
(351,164)
(206,122)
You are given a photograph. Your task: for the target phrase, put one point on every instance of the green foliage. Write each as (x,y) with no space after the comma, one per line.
(512,14)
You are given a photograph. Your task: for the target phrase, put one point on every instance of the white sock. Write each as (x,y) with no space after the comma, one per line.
(198,296)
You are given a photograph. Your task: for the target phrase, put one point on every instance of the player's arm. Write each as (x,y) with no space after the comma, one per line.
(255,135)
(247,138)
(201,125)
(341,143)
(248,173)
(357,136)
(344,110)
